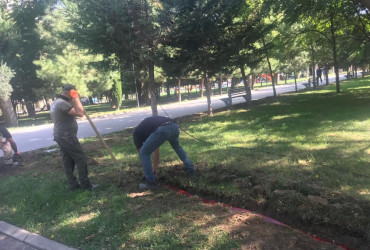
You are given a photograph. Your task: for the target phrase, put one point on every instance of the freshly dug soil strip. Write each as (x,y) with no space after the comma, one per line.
(267,219)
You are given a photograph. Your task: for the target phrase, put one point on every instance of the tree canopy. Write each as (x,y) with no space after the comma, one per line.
(117,48)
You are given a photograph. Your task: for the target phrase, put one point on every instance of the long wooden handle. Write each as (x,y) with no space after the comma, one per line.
(105,146)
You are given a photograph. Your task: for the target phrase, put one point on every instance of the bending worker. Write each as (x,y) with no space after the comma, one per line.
(148,136)
(8,146)
(63,111)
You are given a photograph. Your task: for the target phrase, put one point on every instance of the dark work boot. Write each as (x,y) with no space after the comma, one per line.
(144,186)
(91,187)
(75,186)
(190,172)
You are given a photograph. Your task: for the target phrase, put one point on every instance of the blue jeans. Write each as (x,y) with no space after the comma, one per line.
(164,133)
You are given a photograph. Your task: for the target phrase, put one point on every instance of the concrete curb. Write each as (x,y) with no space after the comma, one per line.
(31,239)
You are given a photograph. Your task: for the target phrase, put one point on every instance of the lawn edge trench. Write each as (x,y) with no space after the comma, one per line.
(266,218)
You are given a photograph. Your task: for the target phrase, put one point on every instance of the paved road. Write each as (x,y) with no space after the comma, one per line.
(41,136)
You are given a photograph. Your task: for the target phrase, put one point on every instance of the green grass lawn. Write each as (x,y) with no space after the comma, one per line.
(302,158)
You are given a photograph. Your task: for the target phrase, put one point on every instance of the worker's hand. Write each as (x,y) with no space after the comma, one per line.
(17,157)
(73,93)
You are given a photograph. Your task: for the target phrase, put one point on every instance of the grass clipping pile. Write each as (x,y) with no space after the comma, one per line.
(309,207)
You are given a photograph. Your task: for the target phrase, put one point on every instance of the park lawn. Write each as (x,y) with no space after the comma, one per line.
(302,158)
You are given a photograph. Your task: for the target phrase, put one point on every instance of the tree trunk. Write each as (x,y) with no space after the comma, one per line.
(250,82)
(30,109)
(335,57)
(143,93)
(363,70)
(220,85)
(117,94)
(153,96)
(179,86)
(233,83)
(269,64)
(327,75)
(295,81)
(10,118)
(121,85)
(246,86)
(313,66)
(168,90)
(151,49)
(202,88)
(47,103)
(208,91)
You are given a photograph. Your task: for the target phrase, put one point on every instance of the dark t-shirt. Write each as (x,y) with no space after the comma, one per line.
(5,133)
(64,123)
(146,127)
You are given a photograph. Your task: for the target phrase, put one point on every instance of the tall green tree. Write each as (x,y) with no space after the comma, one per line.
(126,29)
(196,29)
(328,18)
(27,44)
(239,47)
(63,62)
(269,40)
(6,74)
(8,35)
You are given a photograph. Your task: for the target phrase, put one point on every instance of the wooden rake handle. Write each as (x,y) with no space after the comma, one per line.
(105,146)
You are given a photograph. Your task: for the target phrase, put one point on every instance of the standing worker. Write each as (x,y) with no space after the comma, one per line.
(8,146)
(148,136)
(63,113)
(318,75)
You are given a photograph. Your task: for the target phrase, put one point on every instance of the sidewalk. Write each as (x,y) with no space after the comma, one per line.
(15,238)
